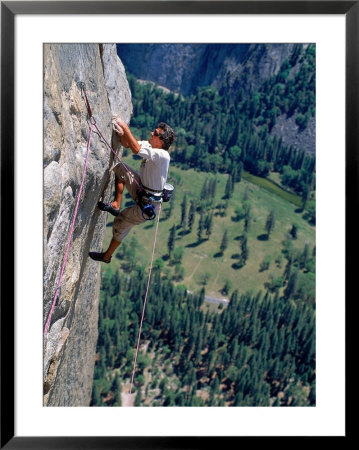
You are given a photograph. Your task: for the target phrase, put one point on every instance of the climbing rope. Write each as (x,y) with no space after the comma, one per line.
(144,306)
(69,239)
(93,125)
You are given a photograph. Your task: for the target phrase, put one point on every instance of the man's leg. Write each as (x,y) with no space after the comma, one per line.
(119,187)
(105,256)
(122,224)
(112,247)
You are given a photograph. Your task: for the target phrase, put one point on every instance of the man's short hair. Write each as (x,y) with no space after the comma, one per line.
(168,136)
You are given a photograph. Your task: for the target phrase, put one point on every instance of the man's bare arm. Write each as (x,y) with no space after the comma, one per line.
(126,137)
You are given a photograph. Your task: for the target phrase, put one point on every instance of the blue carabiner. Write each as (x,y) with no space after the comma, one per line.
(149,211)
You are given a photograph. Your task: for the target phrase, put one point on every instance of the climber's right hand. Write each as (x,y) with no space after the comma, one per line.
(118,121)
(118,129)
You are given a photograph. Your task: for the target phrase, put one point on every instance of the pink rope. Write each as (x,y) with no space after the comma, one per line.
(93,124)
(70,234)
(144,305)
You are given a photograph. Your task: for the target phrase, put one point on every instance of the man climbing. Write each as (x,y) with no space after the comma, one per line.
(145,188)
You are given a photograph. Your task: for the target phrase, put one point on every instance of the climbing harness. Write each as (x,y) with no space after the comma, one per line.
(147,203)
(147,200)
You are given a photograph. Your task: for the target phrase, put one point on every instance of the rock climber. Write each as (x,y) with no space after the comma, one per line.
(146,188)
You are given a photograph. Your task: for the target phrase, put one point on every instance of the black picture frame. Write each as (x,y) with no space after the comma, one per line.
(9,10)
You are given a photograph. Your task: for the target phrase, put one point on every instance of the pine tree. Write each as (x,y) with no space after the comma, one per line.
(191,215)
(171,240)
(270,222)
(212,186)
(208,224)
(305,255)
(200,226)
(117,390)
(294,231)
(224,242)
(171,206)
(305,195)
(204,190)
(184,212)
(227,287)
(247,216)
(244,250)
(214,385)
(292,284)
(229,188)
(96,395)
(234,177)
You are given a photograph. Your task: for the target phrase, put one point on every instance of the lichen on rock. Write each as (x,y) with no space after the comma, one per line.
(70,344)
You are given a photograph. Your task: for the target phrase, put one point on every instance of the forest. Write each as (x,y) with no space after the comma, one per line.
(257,351)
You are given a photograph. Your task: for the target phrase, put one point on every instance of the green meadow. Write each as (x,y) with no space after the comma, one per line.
(202,263)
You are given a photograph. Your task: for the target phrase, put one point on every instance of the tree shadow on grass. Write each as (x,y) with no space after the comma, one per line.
(195,244)
(263,237)
(237,265)
(235,256)
(165,215)
(183,233)
(218,255)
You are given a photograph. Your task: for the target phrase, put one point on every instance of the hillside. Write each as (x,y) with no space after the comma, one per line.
(203,64)
(276,80)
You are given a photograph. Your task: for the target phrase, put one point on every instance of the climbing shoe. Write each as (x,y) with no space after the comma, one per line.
(99,257)
(107,207)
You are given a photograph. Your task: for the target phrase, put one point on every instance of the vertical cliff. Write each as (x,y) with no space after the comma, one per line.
(69,348)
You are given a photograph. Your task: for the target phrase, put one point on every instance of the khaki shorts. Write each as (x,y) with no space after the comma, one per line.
(132,215)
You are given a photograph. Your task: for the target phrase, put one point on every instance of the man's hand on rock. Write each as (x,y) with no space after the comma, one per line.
(118,129)
(119,125)
(126,137)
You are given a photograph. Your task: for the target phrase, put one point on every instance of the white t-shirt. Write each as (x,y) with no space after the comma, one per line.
(154,166)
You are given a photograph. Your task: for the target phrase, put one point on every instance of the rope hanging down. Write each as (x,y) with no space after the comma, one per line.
(69,239)
(93,125)
(82,85)
(144,305)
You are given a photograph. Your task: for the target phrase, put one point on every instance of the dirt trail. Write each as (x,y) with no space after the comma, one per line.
(195,269)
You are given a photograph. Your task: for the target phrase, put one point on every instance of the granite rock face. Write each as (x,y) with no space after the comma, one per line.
(69,347)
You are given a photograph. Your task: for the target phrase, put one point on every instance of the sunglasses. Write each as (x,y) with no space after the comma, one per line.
(156,133)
